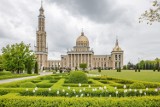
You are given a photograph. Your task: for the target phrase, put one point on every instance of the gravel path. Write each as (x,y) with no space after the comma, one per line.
(23,78)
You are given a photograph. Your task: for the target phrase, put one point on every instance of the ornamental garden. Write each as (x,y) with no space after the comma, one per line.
(80,89)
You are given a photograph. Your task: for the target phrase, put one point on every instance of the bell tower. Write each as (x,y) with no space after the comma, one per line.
(117,56)
(41,49)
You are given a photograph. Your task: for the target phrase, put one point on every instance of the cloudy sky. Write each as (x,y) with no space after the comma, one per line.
(102,21)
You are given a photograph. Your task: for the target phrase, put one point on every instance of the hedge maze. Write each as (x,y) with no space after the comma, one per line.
(58,87)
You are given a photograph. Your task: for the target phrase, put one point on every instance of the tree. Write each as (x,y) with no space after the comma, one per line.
(125,67)
(29,68)
(99,69)
(76,68)
(83,66)
(56,68)
(1,67)
(136,67)
(157,63)
(18,57)
(153,14)
(36,68)
(130,66)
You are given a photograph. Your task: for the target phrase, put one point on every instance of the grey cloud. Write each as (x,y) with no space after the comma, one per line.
(103,19)
(99,11)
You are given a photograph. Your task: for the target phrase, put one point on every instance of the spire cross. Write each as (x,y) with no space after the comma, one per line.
(116,40)
(82,33)
(41,3)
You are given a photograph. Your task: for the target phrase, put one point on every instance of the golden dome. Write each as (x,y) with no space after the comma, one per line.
(82,40)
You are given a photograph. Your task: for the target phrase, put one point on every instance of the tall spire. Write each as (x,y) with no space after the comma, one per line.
(41,3)
(116,41)
(41,8)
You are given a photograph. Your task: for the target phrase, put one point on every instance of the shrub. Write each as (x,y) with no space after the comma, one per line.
(104,81)
(124,81)
(53,81)
(36,68)
(19,101)
(28,85)
(99,69)
(83,66)
(60,70)
(44,85)
(46,78)
(78,77)
(36,81)
(151,84)
(137,85)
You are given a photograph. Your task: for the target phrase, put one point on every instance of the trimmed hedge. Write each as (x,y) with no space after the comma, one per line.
(137,85)
(83,85)
(78,77)
(19,101)
(104,81)
(71,93)
(46,77)
(87,93)
(128,82)
(28,85)
(53,81)
(36,81)
(44,85)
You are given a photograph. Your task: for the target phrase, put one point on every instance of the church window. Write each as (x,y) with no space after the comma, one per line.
(116,57)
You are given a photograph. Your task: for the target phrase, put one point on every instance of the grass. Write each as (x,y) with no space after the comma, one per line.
(9,75)
(144,75)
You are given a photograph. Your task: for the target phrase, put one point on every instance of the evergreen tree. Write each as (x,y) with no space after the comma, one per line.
(83,66)
(99,69)
(36,68)
(1,66)
(29,68)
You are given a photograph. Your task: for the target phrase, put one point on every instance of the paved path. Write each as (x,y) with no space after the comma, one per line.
(23,78)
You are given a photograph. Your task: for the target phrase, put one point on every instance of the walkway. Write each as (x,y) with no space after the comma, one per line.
(23,78)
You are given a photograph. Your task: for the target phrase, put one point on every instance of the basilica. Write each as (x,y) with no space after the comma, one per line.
(80,54)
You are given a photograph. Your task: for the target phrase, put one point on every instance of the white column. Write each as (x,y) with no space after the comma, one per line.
(71,61)
(88,60)
(91,60)
(78,61)
(81,58)
(74,60)
(103,63)
(68,60)
(84,58)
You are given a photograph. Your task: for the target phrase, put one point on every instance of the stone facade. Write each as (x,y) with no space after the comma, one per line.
(81,53)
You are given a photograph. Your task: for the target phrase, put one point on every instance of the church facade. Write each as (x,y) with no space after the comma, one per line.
(81,52)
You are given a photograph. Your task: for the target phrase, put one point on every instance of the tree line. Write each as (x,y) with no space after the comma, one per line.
(144,65)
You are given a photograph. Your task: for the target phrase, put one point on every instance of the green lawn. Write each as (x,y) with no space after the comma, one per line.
(144,75)
(9,75)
